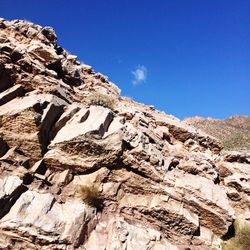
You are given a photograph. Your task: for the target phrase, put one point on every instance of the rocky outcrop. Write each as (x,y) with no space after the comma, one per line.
(39,219)
(80,174)
(234,132)
(235,175)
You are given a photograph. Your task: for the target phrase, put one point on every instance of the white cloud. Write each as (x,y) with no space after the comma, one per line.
(140,74)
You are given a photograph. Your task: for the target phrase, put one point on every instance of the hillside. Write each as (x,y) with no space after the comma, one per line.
(234,132)
(84,168)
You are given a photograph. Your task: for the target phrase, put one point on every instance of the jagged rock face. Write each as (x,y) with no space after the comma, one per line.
(81,176)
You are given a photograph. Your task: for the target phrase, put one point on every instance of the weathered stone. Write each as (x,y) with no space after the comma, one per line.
(9,185)
(224,169)
(165,214)
(49,220)
(241,157)
(28,121)
(10,189)
(240,182)
(181,131)
(199,194)
(3,37)
(72,72)
(88,179)
(11,93)
(15,157)
(199,164)
(42,53)
(84,153)
(151,181)
(62,178)
(81,137)
(115,233)
(86,122)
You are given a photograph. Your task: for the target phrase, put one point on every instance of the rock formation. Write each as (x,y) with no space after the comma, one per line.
(84,168)
(234,132)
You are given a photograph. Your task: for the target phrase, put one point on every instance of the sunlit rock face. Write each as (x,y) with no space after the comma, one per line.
(85,168)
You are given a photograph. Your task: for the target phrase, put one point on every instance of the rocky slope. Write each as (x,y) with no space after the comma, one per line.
(234,132)
(84,168)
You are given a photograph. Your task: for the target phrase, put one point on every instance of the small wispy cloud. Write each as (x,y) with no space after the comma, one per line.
(140,74)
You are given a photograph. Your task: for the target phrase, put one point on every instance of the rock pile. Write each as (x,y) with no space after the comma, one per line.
(80,174)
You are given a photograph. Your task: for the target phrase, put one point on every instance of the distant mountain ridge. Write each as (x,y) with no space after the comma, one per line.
(234,132)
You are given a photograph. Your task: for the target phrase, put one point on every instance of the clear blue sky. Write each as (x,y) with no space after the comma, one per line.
(186,57)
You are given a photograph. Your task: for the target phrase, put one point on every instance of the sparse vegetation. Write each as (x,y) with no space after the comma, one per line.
(241,240)
(91,196)
(101,100)
(238,141)
(233,132)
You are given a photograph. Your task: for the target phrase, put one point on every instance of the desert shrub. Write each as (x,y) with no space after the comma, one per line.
(101,100)
(91,196)
(238,141)
(241,240)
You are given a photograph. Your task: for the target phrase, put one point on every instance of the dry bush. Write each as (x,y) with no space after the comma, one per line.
(101,100)
(241,240)
(90,195)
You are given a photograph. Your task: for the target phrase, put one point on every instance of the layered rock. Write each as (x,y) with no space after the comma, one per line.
(109,174)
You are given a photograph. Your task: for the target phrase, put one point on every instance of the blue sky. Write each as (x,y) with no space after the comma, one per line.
(185,57)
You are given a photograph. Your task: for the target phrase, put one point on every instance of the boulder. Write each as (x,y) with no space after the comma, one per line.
(42,53)
(27,121)
(37,216)
(201,193)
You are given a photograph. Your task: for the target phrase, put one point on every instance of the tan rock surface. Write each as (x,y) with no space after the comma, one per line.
(78,175)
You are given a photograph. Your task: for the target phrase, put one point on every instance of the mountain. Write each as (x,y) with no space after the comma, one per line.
(234,132)
(85,168)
